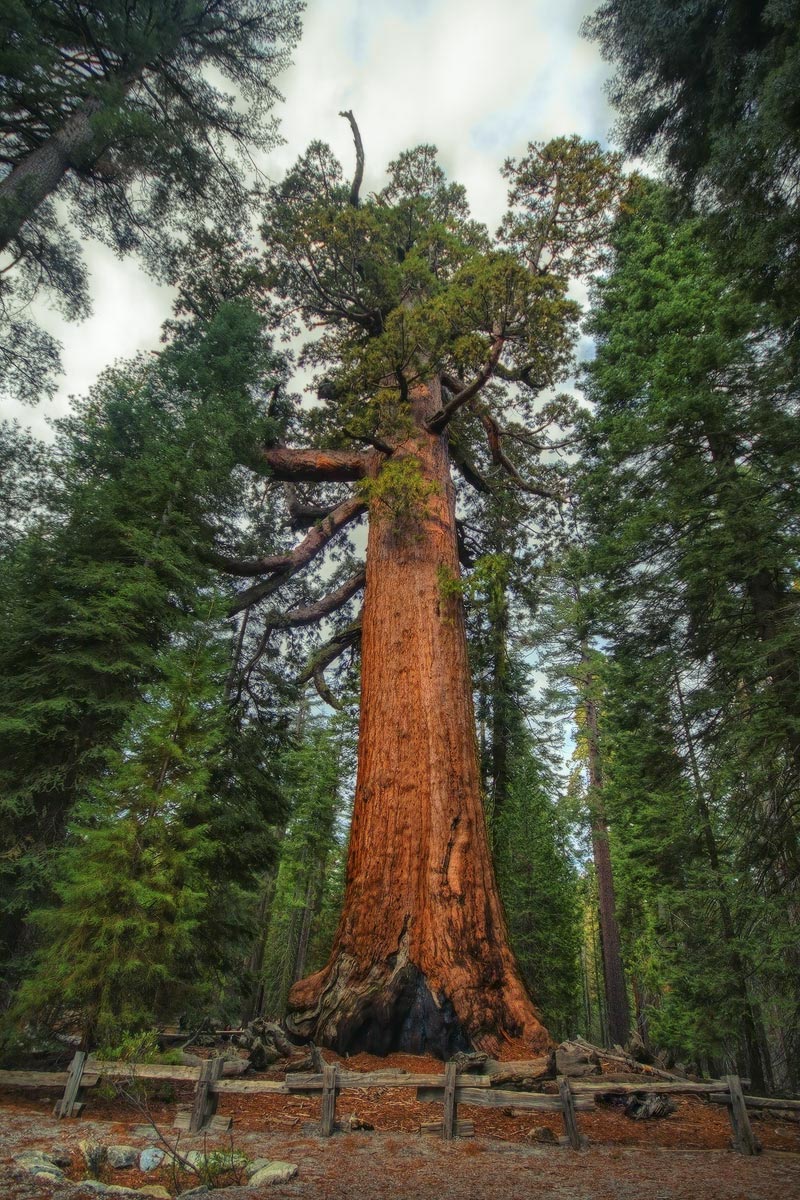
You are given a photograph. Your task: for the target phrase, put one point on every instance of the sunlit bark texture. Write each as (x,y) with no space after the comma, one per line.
(421,960)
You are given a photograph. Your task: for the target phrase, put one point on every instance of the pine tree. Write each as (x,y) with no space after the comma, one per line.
(689,488)
(538,884)
(148,919)
(147,473)
(309,858)
(115,110)
(711,92)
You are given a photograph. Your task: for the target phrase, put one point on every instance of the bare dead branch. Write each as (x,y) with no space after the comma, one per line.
(283,566)
(333,649)
(327,654)
(467,468)
(465,555)
(359,175)
(323,689)
(376,442)
(321,608)
(302,515)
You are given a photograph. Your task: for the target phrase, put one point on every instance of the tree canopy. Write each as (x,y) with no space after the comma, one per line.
(118,112)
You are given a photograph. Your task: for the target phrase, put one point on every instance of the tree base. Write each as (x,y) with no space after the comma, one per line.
(391,1008)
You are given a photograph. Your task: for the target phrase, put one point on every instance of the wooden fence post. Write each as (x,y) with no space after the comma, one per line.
(328,1121)
(205,1101)
(568,1113)
(67,1106)
(744,1140)
(449,1112)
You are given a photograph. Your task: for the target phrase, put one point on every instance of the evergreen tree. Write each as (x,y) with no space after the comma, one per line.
(309,873)
(538,883)
(691,498)
(691,492)
(688,914)
(147,475)
(115,109)
(712,91)
(420,310)
(150,914)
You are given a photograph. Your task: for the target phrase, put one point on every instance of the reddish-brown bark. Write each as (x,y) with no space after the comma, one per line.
(421,959)
(328,465)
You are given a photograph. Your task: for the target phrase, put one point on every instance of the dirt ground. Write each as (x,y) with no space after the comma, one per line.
(685,1155)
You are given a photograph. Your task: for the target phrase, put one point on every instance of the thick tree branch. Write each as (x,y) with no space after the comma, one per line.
(465,555)
(315,466)
(296,617)
(467,468)
(493,435)
(359,175)
(282,566)
(439,420)
(376,442)
(302,515)
(523,375)
(327,654)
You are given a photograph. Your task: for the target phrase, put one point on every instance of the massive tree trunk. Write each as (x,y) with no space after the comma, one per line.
(421,960)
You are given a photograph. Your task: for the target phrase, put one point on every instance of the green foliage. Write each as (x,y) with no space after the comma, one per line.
(145,478)
(712,91)
(539,888)
(144,923)
(399,492)
(689,489)
(690,486)
(405,284)
(24,463)
(309,881)
(131,1048)
(159,143)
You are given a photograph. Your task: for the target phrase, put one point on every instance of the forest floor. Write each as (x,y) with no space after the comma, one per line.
(684,1155)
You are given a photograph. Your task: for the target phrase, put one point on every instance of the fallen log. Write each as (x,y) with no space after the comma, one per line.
(525,1074)
(605,1087)
(630,1062)
(391,1077)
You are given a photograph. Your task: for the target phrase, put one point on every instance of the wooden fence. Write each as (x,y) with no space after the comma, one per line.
(450,1089)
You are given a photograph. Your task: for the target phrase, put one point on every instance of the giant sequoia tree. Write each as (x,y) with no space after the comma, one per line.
(430,331)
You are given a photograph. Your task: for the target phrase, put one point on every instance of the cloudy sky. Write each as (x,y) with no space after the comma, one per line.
(477,79)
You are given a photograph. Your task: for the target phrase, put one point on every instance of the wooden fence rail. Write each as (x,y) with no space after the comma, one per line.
(449,1089)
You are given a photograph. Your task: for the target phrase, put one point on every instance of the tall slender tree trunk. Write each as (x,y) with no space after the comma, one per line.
(619,1020)
(753,1047)
(41,171)
(421,960)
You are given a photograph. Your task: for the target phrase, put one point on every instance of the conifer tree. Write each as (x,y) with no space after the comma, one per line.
(146,474)
(692,457)
(309,856)
(117,110)
(420,311)
(149,914)
(693,517)
(710,91)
